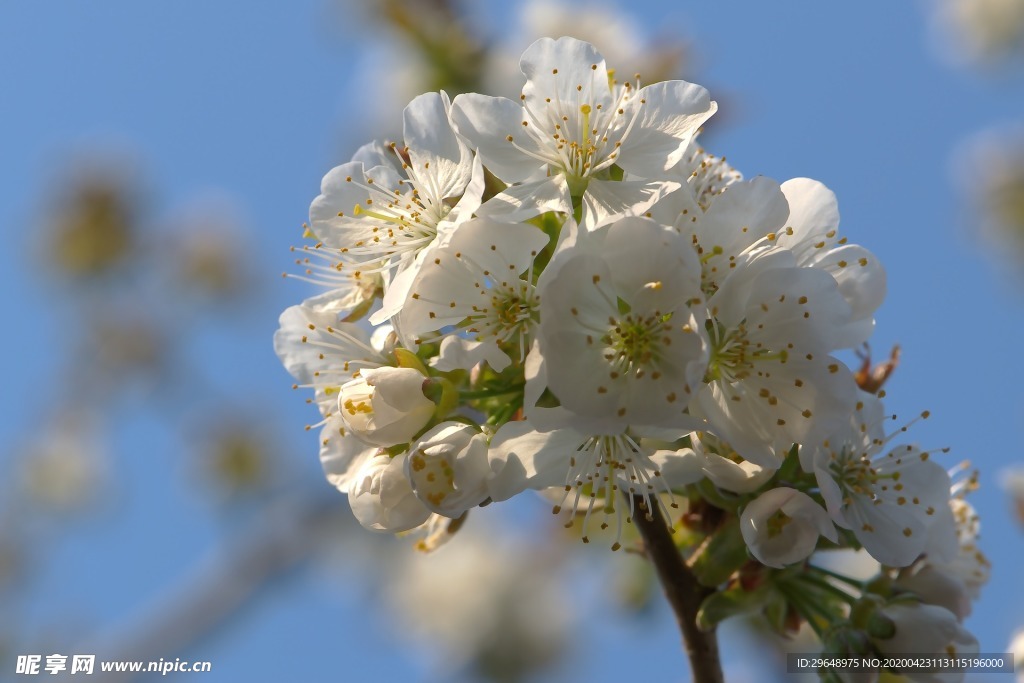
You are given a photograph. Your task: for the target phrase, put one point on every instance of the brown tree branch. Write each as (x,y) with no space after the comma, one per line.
(683,591)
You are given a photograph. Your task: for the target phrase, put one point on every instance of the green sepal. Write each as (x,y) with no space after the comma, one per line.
(776,612)
(550,223)
(722,605)
(881,585)
(790,469)
(493,185)
(407,359)
(844,639)
(444,395)
(860,613)
(880,626)
(725,553)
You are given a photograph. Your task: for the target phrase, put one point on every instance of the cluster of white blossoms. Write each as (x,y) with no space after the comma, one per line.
(568,295)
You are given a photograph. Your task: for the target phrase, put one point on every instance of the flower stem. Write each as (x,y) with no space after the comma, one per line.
(490,393)
(840,577)
(827,587)
(683,591)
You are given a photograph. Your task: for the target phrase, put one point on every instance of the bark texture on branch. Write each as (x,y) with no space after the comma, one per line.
(683,591)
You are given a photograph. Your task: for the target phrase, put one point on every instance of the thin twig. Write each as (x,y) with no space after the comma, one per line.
(683,591)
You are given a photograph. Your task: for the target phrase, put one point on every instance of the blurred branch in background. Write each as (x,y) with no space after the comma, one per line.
(451,57)
(444,45)
(283,535)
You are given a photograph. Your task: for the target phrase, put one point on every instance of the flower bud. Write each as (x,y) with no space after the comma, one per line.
(937,586)
(782,525)
(845,640)
(382,498)
(917,627)
(448,468)
(880,626)
(385,406)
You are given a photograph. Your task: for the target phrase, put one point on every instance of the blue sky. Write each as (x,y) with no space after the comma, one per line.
(253,104)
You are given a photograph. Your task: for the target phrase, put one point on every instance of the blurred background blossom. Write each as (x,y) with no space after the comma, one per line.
(984,34)
(990,170)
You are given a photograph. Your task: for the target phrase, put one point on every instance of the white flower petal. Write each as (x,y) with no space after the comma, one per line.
(619,332)
(862,282)
(744,213)
(385,406)
(521,202)
(567,71)
(522,458)
(374,154)
(920,628)
(487,122)
(338,196)
(382,498)
(606,201)
(323,353)
(782,525)
(670,114)
(480,282)
(470,202)
(813,214)
(457,353)
(342,455)
(763,416)
(679,468)
(739,477)
(448,468)
(439,159)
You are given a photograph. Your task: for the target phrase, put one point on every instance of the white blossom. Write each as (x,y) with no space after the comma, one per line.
(706,175)
(478,287)
(349,290)
(887,495)
(624,323)
(573,121)
(953,570)
(323,354)
(382,209)
(622,327)
(812,234)
(621,37)
(771,381)
(604,472)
